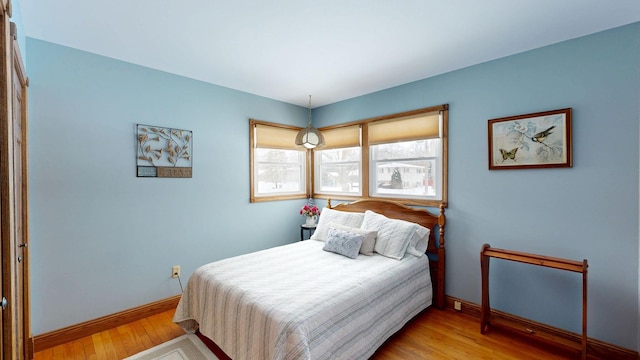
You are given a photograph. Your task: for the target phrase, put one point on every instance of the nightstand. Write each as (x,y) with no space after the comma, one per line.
(304,227)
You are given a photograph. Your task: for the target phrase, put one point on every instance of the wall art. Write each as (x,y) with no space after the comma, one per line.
(538,140)
(163,152)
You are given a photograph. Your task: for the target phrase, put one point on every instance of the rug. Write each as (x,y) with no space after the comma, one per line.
(185,347)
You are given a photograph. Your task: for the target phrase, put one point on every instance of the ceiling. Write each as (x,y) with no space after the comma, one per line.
(331,49)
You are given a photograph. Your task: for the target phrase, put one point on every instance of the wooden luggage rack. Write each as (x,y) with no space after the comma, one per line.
(488,252)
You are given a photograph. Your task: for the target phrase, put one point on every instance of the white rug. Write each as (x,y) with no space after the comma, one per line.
(185,347)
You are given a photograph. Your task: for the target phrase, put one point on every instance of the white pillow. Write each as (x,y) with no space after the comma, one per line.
(330,216)
(419,241)
(393,235)
(369,237)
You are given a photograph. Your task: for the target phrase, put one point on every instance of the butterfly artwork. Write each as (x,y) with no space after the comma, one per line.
(506,155)
(529,141)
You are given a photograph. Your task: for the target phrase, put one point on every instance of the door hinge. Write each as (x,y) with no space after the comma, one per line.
(4,303)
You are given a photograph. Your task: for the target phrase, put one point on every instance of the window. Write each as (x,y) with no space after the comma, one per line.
(406,157)
(405,169)
(401,157)
(338,164)
(278,167)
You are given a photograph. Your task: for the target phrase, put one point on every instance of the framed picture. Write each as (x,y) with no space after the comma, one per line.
(538,140)
(163,152)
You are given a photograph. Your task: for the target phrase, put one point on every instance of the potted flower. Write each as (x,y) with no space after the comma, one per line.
(311,212)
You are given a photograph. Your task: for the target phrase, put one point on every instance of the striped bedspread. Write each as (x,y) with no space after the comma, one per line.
(299,302)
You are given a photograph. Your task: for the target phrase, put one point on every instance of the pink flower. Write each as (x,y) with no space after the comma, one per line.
(307,210)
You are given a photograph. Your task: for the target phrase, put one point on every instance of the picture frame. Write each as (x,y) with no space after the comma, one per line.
(531,141)
(163,152)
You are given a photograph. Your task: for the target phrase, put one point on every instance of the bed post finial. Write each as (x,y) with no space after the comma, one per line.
(329,203)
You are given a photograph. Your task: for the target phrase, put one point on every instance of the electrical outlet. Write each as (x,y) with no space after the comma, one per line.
(457,305)
(175,271)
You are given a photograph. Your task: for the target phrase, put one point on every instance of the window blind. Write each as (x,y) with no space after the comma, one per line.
(342,137)
(274,137)
(414,127)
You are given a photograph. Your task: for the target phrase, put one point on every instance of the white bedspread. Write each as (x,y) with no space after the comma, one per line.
(300,302)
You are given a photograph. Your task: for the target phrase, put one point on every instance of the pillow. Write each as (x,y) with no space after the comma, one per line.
(329,216)
(343,243)
(419,241)
(393,235)
(369,237)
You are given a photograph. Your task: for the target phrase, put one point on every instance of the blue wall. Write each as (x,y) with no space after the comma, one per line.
(104,240)
(589,211)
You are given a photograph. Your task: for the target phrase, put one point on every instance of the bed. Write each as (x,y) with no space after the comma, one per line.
(317,299)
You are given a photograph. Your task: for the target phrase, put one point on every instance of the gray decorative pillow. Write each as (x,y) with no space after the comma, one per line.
(343,243)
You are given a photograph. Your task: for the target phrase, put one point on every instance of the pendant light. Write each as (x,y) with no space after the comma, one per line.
(309,137)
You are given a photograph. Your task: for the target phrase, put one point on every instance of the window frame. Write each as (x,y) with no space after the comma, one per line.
(366,159)
(252,163)
(350,140)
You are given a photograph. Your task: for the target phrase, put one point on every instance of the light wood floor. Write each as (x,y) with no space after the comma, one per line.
(119,342)
(434,334)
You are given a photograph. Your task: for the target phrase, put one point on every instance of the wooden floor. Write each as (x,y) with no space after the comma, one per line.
(119,342)
(434,334)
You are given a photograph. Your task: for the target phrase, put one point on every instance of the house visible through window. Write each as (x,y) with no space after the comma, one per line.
(401,157)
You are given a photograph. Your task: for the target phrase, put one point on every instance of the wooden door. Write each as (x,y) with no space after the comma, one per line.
(5,220)
(20,239)
(16,331)
(18,234)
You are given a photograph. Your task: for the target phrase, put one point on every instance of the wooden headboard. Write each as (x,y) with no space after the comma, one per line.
(435,250)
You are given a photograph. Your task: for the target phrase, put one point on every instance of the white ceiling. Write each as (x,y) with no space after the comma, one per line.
(331,49)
